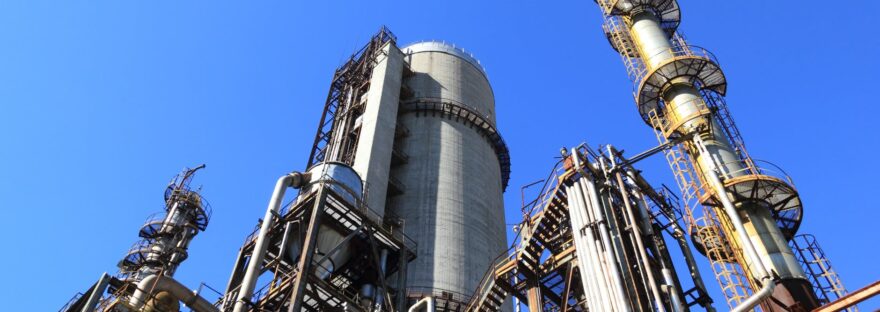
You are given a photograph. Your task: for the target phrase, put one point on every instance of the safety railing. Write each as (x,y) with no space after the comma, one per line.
(70,302)
(675,52)
(444,300)
(750,167)
(152,226)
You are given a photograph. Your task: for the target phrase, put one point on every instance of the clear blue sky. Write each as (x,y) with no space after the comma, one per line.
(102,102)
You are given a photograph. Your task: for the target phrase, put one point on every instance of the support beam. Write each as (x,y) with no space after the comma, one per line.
(303,268)
(852,299)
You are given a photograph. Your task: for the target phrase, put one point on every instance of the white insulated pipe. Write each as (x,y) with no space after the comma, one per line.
(746,242)
(158,283)
(255,265)
(586,257)
(588,188)
(427,302)
(617,280)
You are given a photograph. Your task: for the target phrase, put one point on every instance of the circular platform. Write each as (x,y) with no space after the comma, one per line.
(667,11)
(777,195)
(701,70)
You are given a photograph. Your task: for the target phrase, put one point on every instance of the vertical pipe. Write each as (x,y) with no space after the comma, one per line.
(677,305)
(751,253)
(589,188)
(96,293)
(679,235)
(640,245)
(669,277)
(582,249)
(615,275)
(255,264)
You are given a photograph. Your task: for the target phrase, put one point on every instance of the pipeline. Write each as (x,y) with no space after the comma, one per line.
(158,283)
(751,253)
(603,275)
(96,293)
(249,282)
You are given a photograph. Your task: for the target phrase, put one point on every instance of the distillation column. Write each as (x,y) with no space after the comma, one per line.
(679,93)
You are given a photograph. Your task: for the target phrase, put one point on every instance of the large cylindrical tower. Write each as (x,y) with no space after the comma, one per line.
(750,213)
(456,170)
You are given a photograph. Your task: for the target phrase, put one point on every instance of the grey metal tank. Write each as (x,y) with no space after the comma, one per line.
(455,173)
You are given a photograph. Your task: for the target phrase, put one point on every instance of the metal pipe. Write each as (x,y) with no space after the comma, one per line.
(746,242)
(158,283)
(589,188)
(615,276)
(594,263)
(677,305)
(637,235)
(428,302)
(249,282)
(677,232)
(584,256)
(96,293)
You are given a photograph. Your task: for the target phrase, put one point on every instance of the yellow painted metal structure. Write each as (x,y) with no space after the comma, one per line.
(679,90)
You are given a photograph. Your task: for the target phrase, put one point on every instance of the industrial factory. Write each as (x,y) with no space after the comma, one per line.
(399,205)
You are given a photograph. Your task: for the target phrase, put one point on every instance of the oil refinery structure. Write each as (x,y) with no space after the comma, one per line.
(399,205)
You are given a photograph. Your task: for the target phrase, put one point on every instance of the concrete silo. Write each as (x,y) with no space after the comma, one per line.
(455,171)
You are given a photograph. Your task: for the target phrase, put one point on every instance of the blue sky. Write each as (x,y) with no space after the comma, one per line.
(102,102)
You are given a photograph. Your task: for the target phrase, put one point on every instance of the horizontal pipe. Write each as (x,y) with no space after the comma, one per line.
(158,283)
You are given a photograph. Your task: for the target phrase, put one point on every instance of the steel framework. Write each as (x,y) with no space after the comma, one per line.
(325,206)
(549,266)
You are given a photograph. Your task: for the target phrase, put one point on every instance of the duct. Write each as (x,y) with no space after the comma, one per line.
(295,179)
(746,242)
(158,283)
(427,302)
